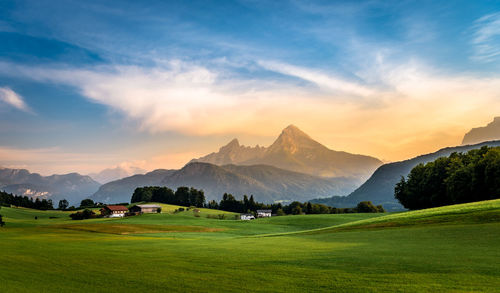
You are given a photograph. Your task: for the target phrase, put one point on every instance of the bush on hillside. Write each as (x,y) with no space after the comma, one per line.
(85,214)
(369,207)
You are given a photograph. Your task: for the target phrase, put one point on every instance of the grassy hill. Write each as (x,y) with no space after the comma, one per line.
(447,249)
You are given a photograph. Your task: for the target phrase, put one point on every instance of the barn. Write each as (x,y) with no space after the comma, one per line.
(114,211)
(146,209)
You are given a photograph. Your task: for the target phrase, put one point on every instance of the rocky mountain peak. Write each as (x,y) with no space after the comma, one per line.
(232,145)
(292,139)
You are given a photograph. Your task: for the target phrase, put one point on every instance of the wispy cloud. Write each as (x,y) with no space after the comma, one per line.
(323,80)
(486,37)
(11,98)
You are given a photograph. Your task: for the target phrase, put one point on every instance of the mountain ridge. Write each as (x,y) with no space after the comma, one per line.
(72,186)
(295,150)
(481,134)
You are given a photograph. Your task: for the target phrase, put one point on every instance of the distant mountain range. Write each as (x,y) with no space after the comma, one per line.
(487,133)
(266,183)
(379,188)
(72,187)
(118,172)
(295,151)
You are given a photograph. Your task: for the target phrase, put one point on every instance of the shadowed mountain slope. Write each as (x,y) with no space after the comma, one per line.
(121,190)
(379,188)
(266,183)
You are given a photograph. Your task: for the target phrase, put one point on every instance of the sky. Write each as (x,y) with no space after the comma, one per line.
(88,85)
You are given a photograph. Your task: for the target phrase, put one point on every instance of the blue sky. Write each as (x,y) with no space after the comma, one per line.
(86,85)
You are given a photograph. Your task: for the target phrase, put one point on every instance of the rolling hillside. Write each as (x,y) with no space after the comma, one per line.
(446,249)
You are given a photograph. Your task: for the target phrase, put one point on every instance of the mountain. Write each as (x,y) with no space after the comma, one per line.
(232,153)
(379,188)
(487,133)
(266,183)
(295,151)
(118,172)
(72,187)
(121,190)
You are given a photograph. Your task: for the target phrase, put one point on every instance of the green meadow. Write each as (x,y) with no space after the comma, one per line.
(447,249)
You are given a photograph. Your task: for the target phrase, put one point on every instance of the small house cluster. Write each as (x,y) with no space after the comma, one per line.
(118,211)
(260,214)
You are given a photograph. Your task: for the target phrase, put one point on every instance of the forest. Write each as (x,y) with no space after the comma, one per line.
(459,178)
(8,199)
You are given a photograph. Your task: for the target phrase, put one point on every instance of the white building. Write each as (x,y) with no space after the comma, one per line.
(247,217)
(264,213)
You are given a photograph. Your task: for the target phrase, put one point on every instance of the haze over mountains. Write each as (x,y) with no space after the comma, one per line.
(379,188)
(296,151)
(118,172)
(72,187)
(266,183)
(486,133)
(294,167)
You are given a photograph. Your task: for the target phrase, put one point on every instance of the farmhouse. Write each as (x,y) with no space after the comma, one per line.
(263,213)
(146,209)
(114,211)
(247,217)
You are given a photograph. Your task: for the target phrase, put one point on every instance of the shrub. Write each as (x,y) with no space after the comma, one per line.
(85,214)
(366,207)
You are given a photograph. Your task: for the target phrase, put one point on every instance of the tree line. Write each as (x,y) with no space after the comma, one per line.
(459,178)
(8,199)
(249,205)
(183,196)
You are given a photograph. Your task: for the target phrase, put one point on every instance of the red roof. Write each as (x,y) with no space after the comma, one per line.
(117,208)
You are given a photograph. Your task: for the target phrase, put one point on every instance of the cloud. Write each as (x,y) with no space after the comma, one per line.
(323,80)
(13,99)
(413,100)
(486,37)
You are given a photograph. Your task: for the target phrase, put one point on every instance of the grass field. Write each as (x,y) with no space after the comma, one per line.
(448,249)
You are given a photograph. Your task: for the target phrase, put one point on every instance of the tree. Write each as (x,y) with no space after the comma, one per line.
(366,207)
(2,223)
(182,196)
(86,203)
(63,204)
(142,194)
